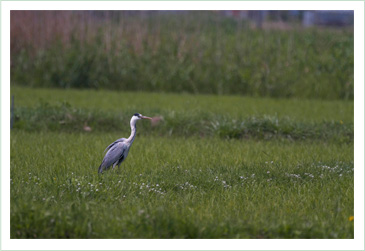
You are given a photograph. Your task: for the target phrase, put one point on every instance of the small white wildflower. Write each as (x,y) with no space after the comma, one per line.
(268,172)
(97,190)
(157,185)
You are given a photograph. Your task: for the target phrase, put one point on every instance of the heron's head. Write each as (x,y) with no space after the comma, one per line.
(138,116)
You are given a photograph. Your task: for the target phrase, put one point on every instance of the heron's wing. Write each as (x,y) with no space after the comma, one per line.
(114,154)
(112,144)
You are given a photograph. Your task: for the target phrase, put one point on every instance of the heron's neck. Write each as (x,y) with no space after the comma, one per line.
(133,132)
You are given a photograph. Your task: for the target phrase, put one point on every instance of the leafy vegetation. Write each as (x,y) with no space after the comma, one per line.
(62,116)
(66,118)
(193,52)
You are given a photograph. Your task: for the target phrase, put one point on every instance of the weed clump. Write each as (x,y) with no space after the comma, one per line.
(64,117)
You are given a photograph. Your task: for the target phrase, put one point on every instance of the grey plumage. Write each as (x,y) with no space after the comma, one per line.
(115,155)
(112,144)
(118,150)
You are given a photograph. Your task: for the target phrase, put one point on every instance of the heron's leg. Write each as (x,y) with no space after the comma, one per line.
(119,167)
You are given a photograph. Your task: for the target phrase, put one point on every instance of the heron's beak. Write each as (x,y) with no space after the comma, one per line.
(145,117)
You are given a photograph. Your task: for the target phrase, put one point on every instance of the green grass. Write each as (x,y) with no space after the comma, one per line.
(178,188)
(196,52)
(178,184)
(154,103)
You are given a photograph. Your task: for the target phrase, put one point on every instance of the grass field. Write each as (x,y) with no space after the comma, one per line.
(293,177)
(156,103)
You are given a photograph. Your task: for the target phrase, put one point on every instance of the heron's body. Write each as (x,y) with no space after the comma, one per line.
(117,151)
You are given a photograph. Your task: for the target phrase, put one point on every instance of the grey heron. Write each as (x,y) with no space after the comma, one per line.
(118,150)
